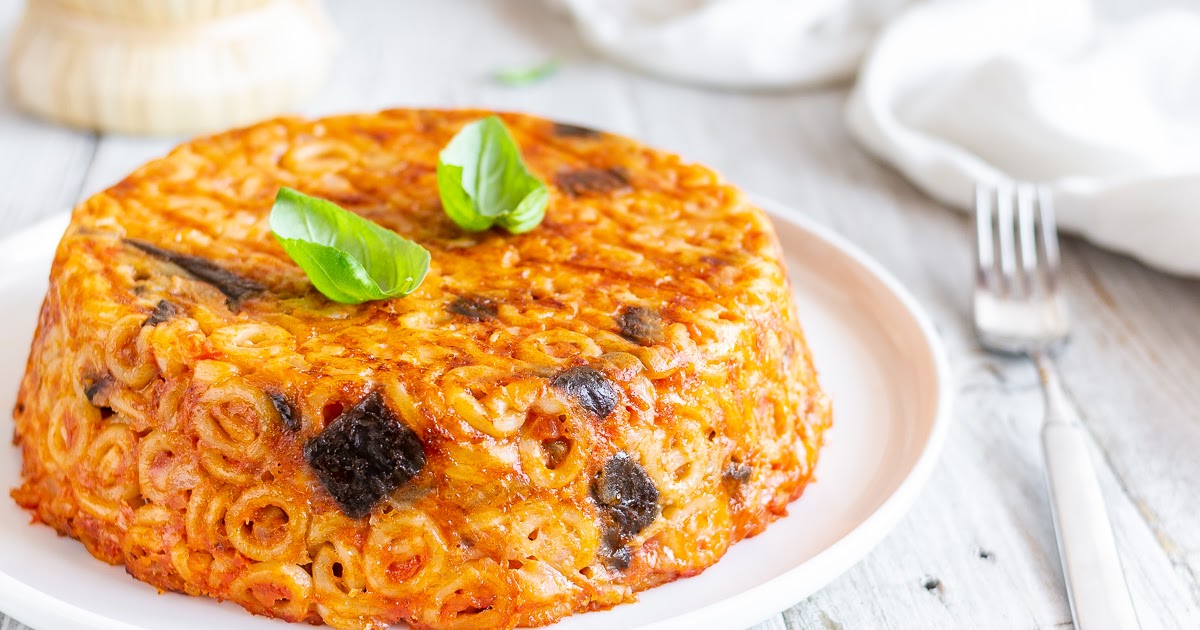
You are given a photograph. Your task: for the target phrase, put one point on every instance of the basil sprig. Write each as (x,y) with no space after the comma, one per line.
(348,258)
(483,181)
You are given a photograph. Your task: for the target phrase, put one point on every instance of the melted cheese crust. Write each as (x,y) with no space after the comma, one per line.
(180,468)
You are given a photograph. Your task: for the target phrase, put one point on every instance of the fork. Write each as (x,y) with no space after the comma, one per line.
(1019,310)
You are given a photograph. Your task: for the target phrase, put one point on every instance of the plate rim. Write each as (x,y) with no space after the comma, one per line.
(32,606)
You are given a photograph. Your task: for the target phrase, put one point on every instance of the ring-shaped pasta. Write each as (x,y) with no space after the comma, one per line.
(556,346)
(609,342)
(477,595)
(248,343)
(546,592)
(336,573)
(319,156)
(277,589)
(541,460)
(170,410)
(193,565)
(404,555)
(326,399)
(681,460)
(145,545)
(698,532)
(664,359)
(111,464)
(561,535)
(496,410)
(268,523)
(331,527)
(97,506)
(478,464)
(234,472)
(127,352)
(130,407)
(204,521)
(628,370)
(232,416)
(349,612)
(402,402)
(176,344)
(339,586)
(617,257)
(68,431)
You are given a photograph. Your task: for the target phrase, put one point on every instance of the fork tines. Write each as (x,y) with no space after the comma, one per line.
(1016,240)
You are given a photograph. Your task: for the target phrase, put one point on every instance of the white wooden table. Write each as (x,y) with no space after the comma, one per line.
(977,550)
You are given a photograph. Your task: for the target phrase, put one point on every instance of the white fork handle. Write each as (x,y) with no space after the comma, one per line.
(1096,586)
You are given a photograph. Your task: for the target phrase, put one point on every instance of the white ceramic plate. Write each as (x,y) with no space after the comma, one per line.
(878,358)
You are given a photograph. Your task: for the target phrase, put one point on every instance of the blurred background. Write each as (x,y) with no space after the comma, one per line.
(873,117)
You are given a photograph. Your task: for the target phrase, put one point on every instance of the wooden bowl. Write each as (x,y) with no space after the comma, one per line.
(167,66)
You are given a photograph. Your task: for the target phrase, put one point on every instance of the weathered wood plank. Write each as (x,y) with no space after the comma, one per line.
(1135,376)
(41,165)
(8,623)
(43,170)
(978,550)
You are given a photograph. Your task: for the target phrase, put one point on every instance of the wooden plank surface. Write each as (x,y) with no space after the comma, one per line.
(977,550)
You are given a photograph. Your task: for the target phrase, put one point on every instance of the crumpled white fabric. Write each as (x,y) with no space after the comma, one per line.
(955,92)
(734,43)
(1107,115)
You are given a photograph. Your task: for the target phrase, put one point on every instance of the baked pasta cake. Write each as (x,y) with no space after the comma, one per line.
(551,423)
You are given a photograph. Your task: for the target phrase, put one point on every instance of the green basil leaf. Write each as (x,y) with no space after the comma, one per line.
(526,75)
(348,258)
(483,181)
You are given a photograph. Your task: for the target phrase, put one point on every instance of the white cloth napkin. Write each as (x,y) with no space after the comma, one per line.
(734,43)
(1108,116)
(957,92)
